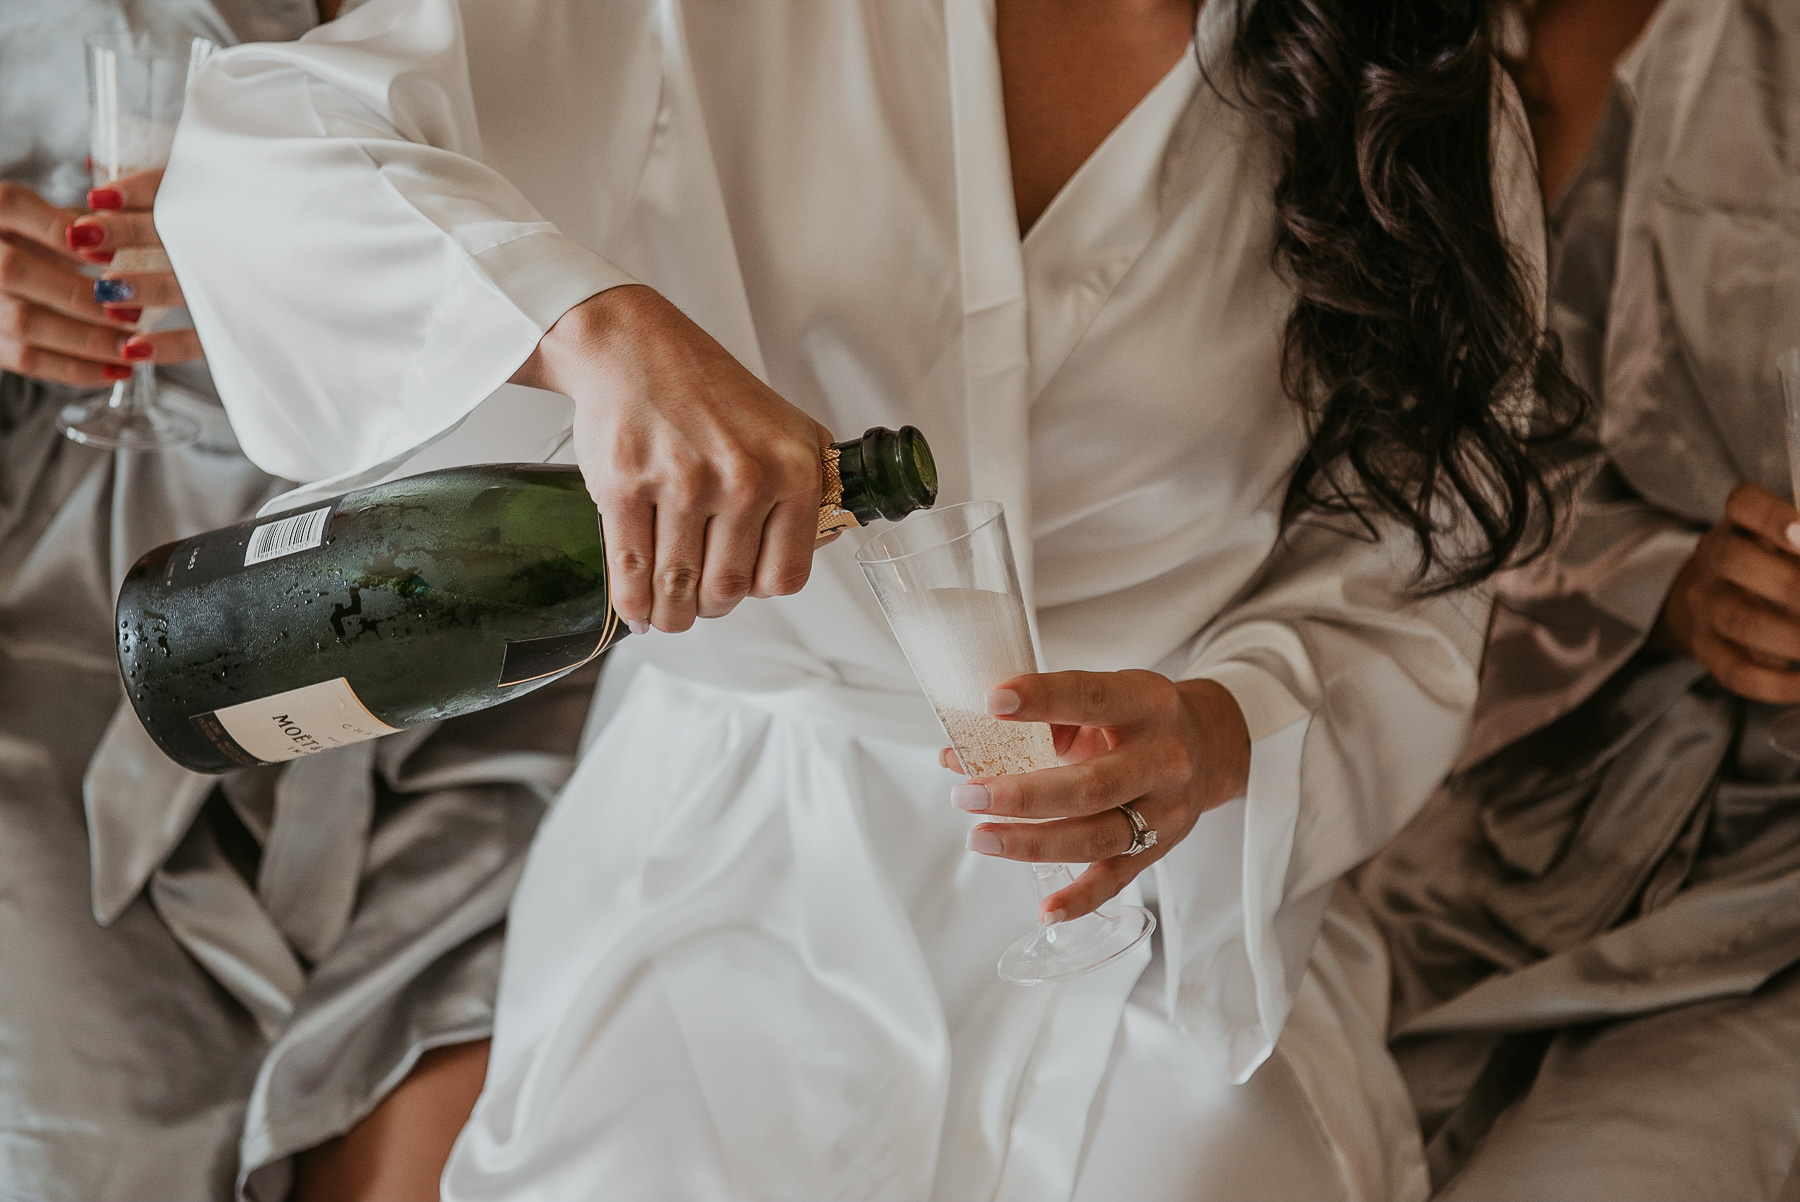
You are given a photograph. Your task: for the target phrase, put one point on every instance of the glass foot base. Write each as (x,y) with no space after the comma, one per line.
(1784,732)
(1069,949)
(101,424)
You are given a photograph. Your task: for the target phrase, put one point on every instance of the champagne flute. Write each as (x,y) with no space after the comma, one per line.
(947,584)
(136,85)
(1784,728)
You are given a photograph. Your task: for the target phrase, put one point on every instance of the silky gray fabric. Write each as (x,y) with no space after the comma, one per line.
(200,976)
(1595,926)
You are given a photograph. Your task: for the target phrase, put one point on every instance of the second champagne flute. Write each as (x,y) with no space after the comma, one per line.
(947,584)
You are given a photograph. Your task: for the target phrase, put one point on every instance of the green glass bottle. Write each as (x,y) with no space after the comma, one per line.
(408,602)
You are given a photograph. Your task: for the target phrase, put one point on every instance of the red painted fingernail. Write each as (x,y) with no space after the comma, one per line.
(113,371)
(134,349)
(105,198)
(124,313)
(82,236)
(97,256)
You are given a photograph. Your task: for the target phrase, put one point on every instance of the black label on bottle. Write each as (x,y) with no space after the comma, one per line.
(214,732)
(534,659)
(218,553)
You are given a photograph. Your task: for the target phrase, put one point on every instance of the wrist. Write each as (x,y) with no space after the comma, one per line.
(1224,738)
(569,349)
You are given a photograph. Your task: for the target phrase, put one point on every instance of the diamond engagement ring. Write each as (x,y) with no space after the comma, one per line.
(1142,837)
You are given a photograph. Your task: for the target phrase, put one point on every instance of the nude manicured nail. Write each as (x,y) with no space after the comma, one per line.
(985,842)
(637,627)
(83,236)
(105,198)
(970,797)
(1793,536)
(1002,702)
(1052,917)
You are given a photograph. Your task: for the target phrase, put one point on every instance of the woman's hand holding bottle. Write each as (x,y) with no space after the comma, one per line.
(707,480)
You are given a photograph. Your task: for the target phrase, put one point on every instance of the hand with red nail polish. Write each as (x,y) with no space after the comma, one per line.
(51,325)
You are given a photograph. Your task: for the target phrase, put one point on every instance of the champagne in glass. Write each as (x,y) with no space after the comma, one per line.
(136,85)
(947,584)
(1784,730)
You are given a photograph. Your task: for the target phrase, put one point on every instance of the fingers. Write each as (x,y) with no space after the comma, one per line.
(41,364)
(164,346)
(1083,840)
(729,570)
(630,558)
(111,231)
(1755,509)
(27,215)
(1099,884)
(1757,570)
(1092,787)
(1741,674)
(134,191)
(29,274)
(1108,699)
(680,555)
(156,288)
(24,324)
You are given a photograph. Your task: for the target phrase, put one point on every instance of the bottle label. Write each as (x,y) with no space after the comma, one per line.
(273,730)
(219,553)
(534,659)
(285,536)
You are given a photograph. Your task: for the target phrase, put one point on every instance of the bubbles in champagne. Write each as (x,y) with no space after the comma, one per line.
(962,642)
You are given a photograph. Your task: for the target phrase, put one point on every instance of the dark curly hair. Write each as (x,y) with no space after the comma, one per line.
(1414,344)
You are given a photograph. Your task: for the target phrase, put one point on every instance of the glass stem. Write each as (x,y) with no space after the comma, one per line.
(140,390)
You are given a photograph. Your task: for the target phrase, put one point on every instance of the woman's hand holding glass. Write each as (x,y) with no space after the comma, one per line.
(52,326)
(1172,750)
(118,232)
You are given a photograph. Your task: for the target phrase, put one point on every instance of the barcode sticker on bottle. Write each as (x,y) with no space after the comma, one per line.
(302,532)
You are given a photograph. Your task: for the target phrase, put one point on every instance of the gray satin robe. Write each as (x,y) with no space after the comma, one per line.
(1595,926)
(200,976)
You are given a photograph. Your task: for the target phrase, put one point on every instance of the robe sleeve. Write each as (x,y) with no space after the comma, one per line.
(1357,696)
(354,155)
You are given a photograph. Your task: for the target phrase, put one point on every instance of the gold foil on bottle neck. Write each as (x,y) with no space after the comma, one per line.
(833,517)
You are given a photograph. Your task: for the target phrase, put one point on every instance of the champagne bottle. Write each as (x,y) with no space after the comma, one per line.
(408,602)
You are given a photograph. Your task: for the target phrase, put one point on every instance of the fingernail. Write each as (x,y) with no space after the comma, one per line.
(1793,536)
(1002,702)
(105,198)
(113,371)
(111,292)
(128,314)
(133,349)
(985,842)
(1052,917)
(85,235)
(97,256)
(637,627)
(970,797)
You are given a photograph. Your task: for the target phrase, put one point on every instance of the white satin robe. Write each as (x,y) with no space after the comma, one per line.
(750,957)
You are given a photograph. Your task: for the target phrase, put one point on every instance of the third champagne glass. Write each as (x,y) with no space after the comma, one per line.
(947,583)
(136,85)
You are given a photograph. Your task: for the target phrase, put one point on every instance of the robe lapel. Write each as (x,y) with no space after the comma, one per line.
(996,358)
(1102,221)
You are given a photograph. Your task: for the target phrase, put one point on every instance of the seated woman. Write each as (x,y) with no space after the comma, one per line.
(1593,927)
(1151,278)
(285,961)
